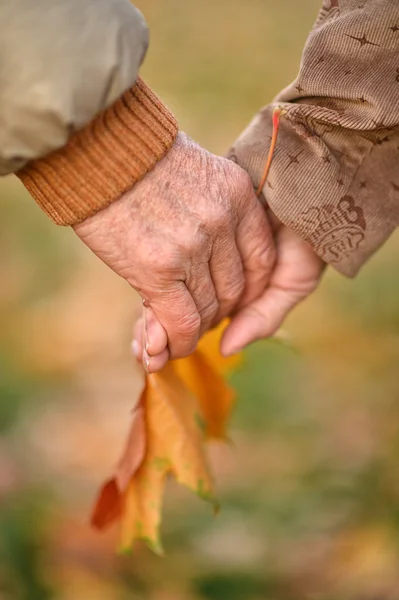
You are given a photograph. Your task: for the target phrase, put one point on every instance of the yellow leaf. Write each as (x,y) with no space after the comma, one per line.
(215,397)
(173,445)
(187,401)
(202,373)
(209,346)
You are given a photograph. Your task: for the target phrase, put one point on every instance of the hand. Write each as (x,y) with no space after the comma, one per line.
(296,274)
(191,238)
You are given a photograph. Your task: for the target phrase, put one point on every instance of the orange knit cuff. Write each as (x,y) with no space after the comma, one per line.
(103,160)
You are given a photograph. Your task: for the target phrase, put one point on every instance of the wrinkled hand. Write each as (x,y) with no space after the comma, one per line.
(191,238)
(296,274)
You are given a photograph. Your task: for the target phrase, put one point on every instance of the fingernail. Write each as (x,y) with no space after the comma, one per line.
(148,318)
(146,361)
(136,349)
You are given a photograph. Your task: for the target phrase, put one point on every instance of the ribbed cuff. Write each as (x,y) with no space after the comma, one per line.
(103,160)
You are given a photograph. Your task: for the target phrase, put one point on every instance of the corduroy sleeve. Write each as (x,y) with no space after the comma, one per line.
(335,174)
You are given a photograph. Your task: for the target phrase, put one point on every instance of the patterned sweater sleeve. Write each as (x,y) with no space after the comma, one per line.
(335,174)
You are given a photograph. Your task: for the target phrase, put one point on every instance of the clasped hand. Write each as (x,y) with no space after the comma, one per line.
(197,245)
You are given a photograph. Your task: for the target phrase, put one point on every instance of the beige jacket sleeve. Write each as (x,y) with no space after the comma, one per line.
(335,174)
(66,66)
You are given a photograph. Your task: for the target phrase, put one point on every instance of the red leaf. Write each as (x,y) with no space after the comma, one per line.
(109,503)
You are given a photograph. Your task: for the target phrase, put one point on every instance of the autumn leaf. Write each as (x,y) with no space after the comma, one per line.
(209,345)
(174,445)
(109,504)
(208,385)
(202,372)
(180,406)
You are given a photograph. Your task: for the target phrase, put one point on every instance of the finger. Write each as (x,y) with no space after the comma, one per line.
(150,342)
(261,319)
(137,343)
(177,312)
(152,364)
(155,338)
(255,243)
(228,276)
(201,286)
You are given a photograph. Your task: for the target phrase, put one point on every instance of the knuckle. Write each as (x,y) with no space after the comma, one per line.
(230,172)
(220,218)
(198,244)
(243,183)
(264,257)
(247,187)
(233,292)
(170,261)
(167,262)
(188,325)
(240,190)
(210,310)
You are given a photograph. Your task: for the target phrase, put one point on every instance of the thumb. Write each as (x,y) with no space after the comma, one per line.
(261,319)
(150,342)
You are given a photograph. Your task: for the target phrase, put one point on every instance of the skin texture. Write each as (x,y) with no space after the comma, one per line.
(192,239)
(296,274)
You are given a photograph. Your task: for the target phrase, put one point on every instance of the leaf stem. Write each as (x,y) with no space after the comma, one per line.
(277,113)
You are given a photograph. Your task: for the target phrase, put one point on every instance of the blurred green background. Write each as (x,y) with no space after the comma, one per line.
(310,489)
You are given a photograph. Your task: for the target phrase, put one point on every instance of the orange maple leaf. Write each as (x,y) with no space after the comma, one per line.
(187,399)
(174,445)
(214,396)
(108,507)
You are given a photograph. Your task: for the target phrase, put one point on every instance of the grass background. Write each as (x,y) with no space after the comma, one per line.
(310,489)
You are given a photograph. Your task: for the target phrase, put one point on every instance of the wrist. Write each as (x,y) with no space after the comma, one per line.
(103,160)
